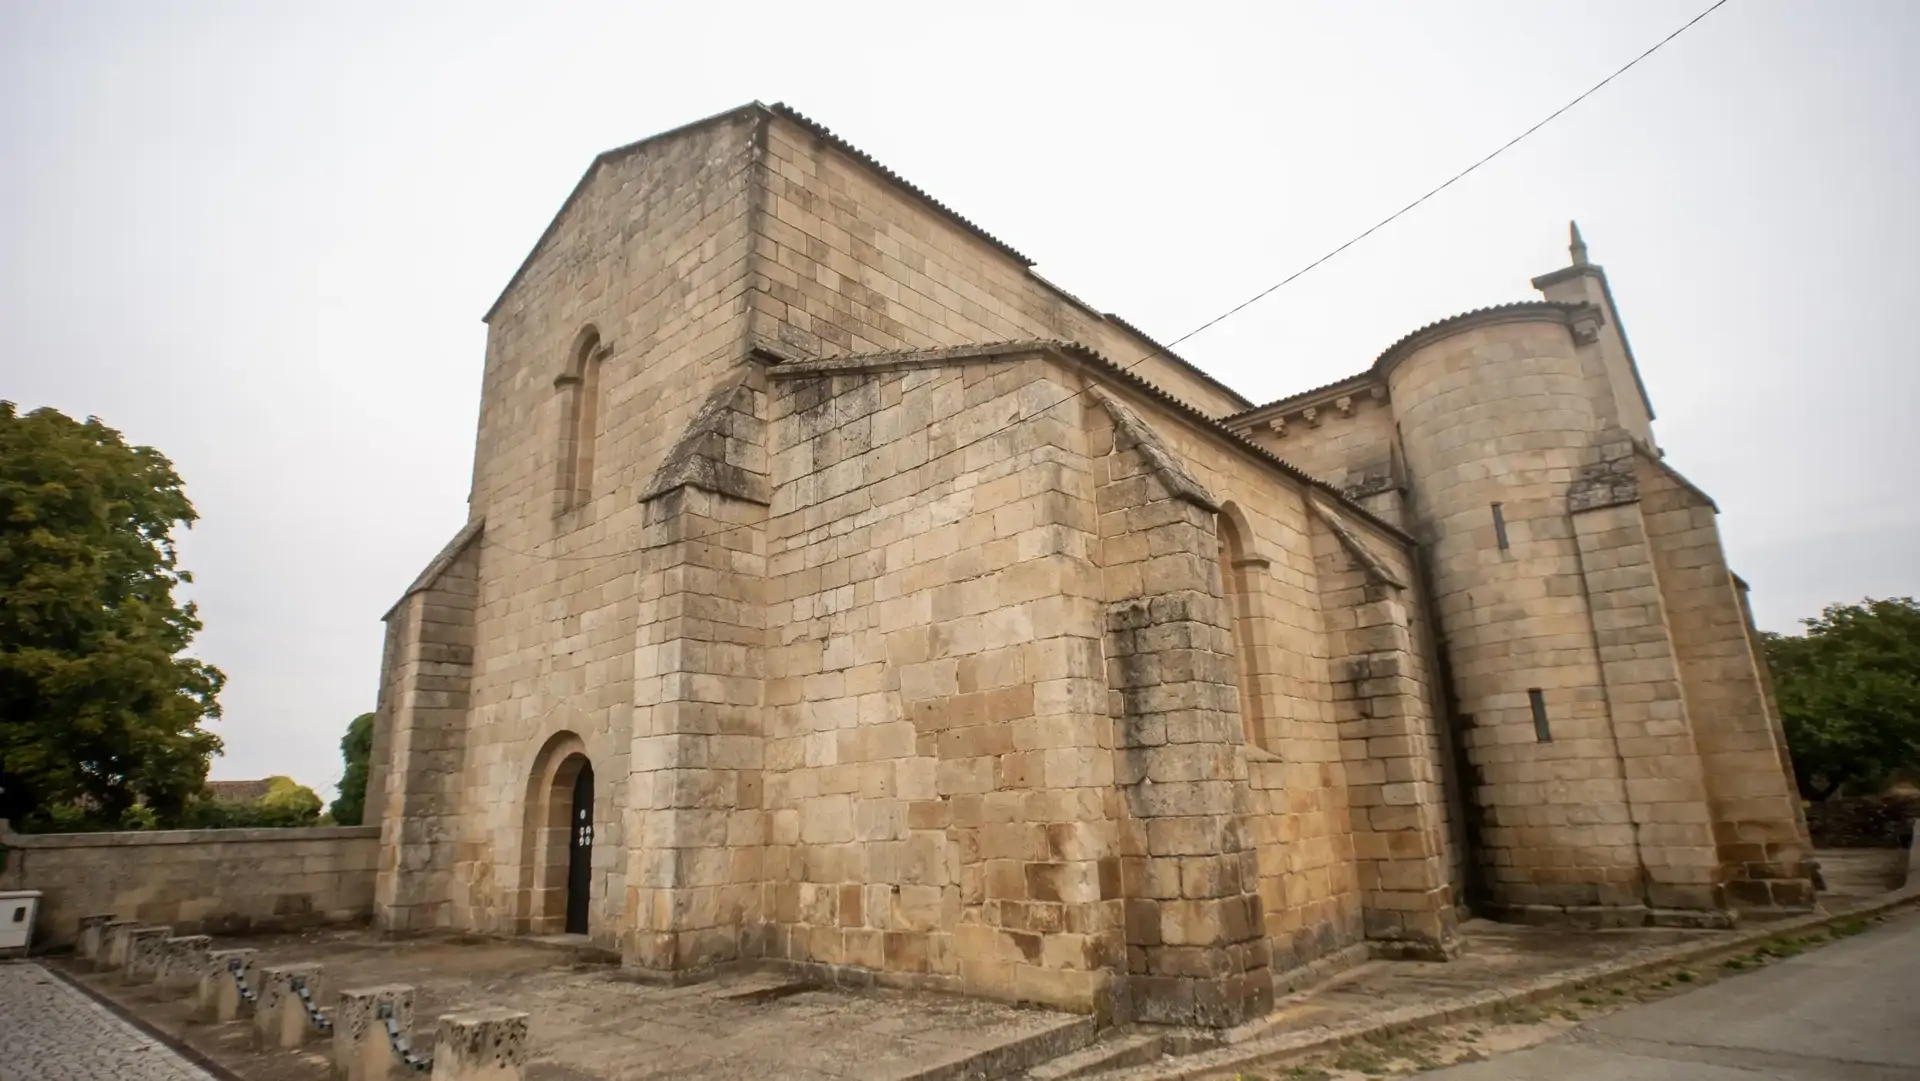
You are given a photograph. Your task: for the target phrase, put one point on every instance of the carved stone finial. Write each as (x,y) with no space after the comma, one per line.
(1577,247)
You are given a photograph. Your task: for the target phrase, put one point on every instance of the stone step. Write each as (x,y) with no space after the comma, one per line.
(1126,1049)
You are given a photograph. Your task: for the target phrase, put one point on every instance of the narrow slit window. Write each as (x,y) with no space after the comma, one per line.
(1539,703)
(1499,527)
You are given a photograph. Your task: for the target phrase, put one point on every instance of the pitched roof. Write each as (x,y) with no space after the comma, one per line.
(825,134)
(238,791)
(1093,358)
(1498,313)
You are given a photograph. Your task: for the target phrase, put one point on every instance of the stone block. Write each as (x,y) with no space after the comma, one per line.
(481,1045)
(365,1046)
(218,995)
(113,948)
(93,931)
(280,1017)
(146,946)
(182,962)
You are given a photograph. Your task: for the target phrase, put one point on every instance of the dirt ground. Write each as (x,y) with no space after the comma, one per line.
(590,1023)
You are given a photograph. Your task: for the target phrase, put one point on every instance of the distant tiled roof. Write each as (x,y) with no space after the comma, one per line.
(237,791)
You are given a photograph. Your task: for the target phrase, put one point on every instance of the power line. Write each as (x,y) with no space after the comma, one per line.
(1444,185)
(1275,287)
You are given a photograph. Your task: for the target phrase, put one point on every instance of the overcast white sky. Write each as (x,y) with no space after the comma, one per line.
(259,236)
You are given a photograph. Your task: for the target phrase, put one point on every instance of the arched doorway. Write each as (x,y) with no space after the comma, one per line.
(580,850)
(556,850)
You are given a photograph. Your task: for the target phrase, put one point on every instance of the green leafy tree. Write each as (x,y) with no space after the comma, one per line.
(356,747)
(287,803)
(98,708)
(1849,694)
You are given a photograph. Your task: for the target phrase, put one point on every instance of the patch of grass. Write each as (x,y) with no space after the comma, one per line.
(1519,1015)
(1663,985)
(1683,976)
(1588,1000)
(1570,1015)
(1308,1073)
(1735,963)
(1848,928)
(1616,992)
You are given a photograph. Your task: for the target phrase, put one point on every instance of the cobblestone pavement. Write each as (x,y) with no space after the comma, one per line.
(51,1032)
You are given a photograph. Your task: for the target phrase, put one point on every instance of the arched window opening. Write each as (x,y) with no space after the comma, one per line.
(579,388)
(1236,588)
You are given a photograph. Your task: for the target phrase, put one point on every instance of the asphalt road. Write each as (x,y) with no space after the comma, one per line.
(1849,1011)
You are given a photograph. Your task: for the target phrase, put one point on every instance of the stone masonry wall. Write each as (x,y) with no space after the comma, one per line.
(696,876)
(651,254)
(1396,756)
(1498,413)
(849,264)
(937,753)
(1309,809)
(1195,932)
(1665,785)
(1762,842)
(424,701)
(1347,442)
(195,881)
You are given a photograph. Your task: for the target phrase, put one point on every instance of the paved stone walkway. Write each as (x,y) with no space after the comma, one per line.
(51,1032)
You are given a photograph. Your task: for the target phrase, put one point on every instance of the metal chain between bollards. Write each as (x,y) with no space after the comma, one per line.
(239,970)
(402,1047)
(318,1019)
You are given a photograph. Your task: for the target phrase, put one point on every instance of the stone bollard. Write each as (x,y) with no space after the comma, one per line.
(113,944)
(93,935)
(279,1016)
(362,1047)
(182,960)
(218,997)
(482,1045)
(145,947)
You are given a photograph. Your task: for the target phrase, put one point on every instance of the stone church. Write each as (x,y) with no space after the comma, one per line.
(838,593)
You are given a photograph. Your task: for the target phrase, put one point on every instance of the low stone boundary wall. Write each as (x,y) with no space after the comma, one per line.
(195,881)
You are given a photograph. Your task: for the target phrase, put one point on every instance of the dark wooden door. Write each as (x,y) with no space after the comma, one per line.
(580,852)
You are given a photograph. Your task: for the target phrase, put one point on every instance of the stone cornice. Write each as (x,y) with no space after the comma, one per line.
(1373,382)
(1525,311)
